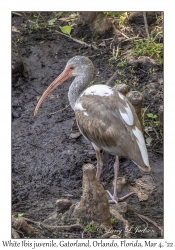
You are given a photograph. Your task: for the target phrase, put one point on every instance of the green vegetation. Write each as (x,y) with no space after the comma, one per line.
(153,119)
(113,220)
(132,71)
(147,47)
(91,227)
(78,220)
(38,20)
(20,215)
(122,63)
(121,73)
(149,117)
(66,29)
(119,17)
(118,81)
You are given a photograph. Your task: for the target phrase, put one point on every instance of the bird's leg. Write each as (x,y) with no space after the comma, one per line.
(114,198)
(99,164)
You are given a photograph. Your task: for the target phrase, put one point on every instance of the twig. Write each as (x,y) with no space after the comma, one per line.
(151,221)
(158,151)
(16,13)
(95,55)
(65,227)
(116,30)
(117,51)
(146,24)
(145,222)
(155,144)
(82,235)
(108,39)
(142,70)
(157,135)
(76,40)
(22,202)
(59,110)
(111,78)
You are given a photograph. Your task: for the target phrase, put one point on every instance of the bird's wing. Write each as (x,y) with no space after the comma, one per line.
(110,122)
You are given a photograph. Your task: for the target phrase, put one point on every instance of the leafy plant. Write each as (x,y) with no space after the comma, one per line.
(150,91)
(91,227)
(78,220)
(112,220)
(120,73)
(112,58)
(123,19)
(147,47)
(132,70)
(56,15)
(123,63)
(118,81)
(20,215)
(153,119)
(66,29)
(120,17)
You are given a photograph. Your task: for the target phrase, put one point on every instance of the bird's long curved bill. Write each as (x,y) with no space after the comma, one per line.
(66,74)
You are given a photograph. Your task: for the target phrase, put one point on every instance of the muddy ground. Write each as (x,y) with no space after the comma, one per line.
(46,160)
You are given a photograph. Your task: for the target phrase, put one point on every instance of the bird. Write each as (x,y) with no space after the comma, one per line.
(104,116)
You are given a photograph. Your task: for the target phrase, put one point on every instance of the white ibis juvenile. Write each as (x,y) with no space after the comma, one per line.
(104,116)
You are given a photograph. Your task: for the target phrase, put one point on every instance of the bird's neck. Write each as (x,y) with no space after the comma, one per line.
(79,84)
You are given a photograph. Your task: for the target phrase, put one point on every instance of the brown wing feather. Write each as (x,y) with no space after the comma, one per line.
(100,122)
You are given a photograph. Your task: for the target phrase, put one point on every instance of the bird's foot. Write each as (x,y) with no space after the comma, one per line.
(115,200)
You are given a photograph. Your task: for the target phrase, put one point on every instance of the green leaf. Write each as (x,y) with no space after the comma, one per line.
(66,29)
(154,116)
(20,215)
(150,115)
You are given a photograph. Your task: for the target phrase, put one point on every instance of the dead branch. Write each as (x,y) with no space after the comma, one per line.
(146,24)
(76,40)
(111,78)
(157,135)
(118,31)
(16,13)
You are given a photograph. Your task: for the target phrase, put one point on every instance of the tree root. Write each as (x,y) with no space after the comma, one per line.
(143,217)
(64,227)
(15,234)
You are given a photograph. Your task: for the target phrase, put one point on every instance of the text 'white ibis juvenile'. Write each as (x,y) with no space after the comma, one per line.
(104,116)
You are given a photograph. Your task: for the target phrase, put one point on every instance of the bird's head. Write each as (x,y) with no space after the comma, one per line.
(76,66)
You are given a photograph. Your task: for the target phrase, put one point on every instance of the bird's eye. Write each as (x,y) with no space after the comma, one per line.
(72,67)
